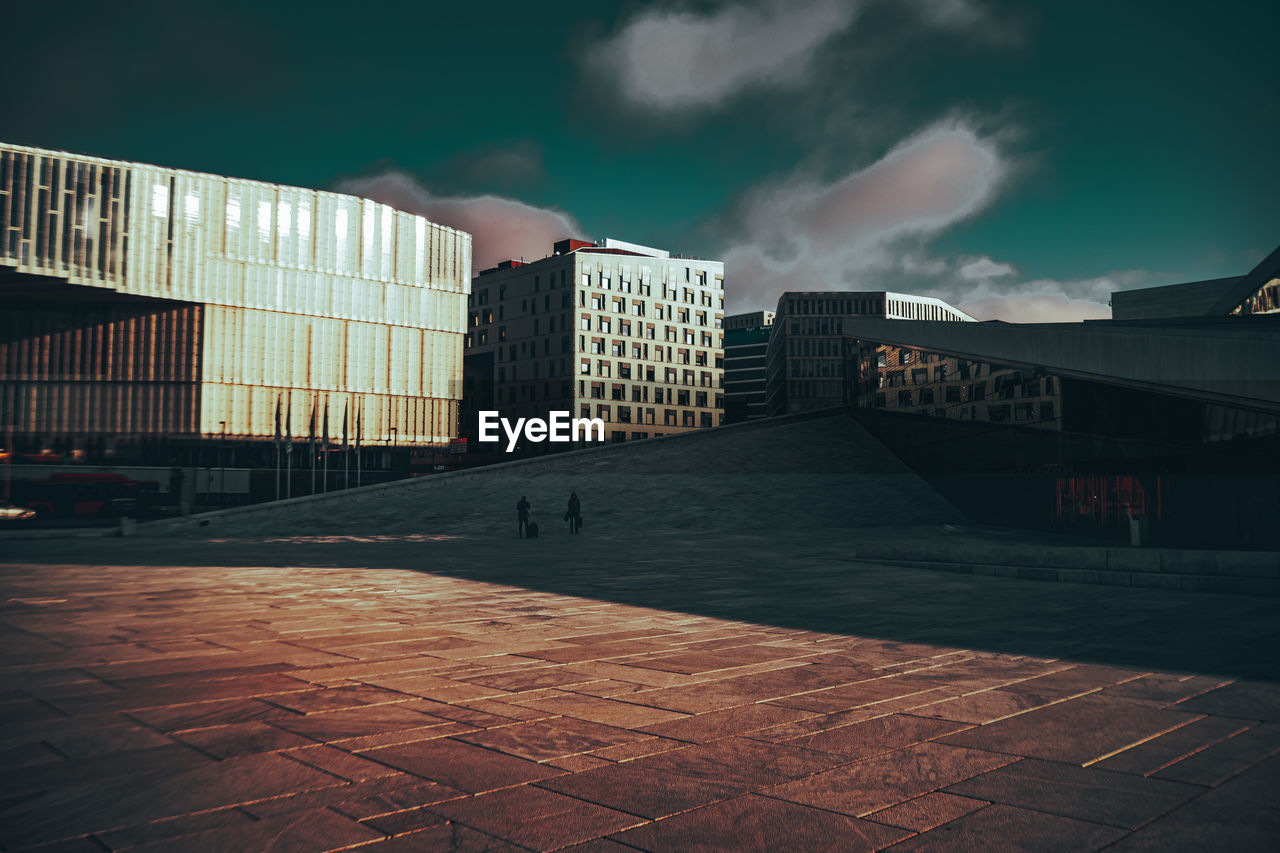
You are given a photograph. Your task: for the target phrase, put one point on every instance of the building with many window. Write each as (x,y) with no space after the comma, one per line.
(609,330)
(805,359)
(1164,422)
(149,312)
(746,342)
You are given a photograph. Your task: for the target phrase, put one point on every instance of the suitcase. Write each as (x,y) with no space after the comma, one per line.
(531,532)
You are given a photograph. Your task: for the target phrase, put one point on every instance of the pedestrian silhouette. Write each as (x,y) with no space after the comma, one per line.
(522,514)
(573,514)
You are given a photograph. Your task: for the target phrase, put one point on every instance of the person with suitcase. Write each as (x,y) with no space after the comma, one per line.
(522,514)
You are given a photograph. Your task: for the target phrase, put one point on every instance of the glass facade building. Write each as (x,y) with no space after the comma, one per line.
(145,304)
(746,343)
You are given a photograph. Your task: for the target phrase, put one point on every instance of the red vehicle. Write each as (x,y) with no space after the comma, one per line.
(73,495)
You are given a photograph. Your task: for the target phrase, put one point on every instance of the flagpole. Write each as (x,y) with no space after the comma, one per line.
(324,446)
(277,446)
(346,448)
(288,449)
(311,444)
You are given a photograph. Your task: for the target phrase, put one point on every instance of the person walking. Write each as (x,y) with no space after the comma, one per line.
(574,514)
(522,514)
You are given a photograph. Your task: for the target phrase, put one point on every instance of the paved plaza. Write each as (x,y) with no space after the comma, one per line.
(410,676)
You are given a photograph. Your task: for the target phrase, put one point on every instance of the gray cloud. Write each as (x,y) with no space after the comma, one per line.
(500,227)
(676,59)
(805,235)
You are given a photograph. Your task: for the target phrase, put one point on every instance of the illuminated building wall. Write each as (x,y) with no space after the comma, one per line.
(142,301)
(615,331)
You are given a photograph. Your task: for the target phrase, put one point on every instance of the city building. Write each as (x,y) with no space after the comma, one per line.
(157,316)
(1162,427)
(805,358)
(610,330)
(746,341)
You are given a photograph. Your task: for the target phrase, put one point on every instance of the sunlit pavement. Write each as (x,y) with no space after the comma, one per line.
(666,691)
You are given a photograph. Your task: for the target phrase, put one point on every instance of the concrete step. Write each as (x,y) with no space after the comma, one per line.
(1237,572)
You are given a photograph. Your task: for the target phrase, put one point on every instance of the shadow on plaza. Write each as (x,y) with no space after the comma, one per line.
(797,581)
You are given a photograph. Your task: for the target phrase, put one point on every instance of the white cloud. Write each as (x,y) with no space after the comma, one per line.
(806,235)
(1042,300)
(500,228)
(673,59)
(984,268)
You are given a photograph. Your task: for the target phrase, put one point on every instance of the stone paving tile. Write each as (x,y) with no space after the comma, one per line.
(1220,761)
(242,739)
(1166,688)
(137,835)
(75,809)
(541,740)
(608,711)
(536,818)
(754,823)
(1083,730)
(638,749)
(878,735)
(990,705)
(1241,814)
(729,722)
(336,699)
(1086,793)
(463,766)
(319,829)
(1249,700)
(868,786)
(358,721)
(1154,755)
(925,812)
(339,763)
(198,715)
(446,838)
(857,694)
(1007,828)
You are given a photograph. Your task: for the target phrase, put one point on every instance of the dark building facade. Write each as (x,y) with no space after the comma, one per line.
(746,344)
(1172,424)
(804,363)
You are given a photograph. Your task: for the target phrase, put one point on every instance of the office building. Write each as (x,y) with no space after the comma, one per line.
(1166,426)
(610,330)
(804,363)
(746,341)
(152,313)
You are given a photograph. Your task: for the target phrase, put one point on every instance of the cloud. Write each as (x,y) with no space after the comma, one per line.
(500,228)
(1035,308)
(806,235)
(1042,300)
(984,268)
(674,59)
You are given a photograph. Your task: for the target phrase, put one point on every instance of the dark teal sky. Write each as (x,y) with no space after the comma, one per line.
(1136,136)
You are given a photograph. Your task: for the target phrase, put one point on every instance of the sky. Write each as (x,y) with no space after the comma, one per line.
(1020,160)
